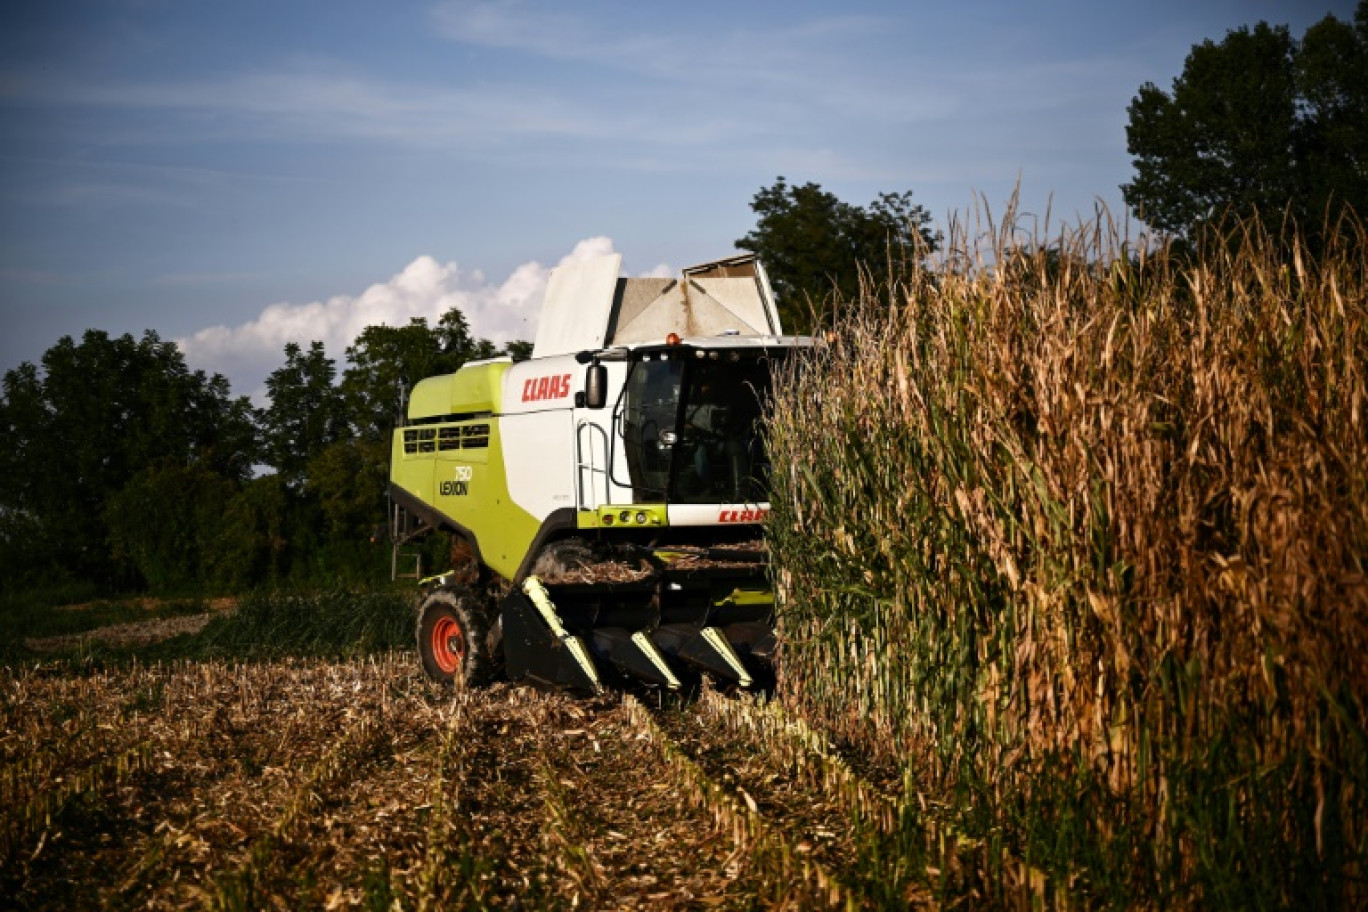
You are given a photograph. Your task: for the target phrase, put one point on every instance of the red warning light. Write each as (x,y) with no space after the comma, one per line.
(672,339)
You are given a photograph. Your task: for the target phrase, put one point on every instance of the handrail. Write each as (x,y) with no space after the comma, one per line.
(586,470)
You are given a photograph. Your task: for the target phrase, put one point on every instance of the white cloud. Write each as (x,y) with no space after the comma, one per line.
(502,312)
(320,101)
(685,45)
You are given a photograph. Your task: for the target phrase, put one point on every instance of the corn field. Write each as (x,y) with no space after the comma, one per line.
(1070,546)
(1075,537)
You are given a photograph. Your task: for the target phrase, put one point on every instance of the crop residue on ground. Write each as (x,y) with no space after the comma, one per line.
(335,784)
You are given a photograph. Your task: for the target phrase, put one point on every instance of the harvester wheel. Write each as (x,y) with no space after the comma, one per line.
(453,638)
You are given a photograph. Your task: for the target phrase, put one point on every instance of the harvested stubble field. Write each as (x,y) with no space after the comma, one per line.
(333,784)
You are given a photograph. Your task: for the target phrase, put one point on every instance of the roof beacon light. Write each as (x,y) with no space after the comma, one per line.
(672,339)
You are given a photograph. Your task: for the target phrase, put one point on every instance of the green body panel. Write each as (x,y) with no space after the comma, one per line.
(622,516)
(458,469)
(472,390)
(754,597)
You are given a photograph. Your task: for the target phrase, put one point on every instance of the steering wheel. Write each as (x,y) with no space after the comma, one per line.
(650,437)
(709,434)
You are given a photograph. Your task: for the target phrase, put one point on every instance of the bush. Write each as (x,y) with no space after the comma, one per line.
(166,522)
(328,623)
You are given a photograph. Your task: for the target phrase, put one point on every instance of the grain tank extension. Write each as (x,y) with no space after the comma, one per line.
(604,497)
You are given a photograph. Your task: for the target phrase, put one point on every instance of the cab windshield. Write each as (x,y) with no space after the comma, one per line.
(692,431)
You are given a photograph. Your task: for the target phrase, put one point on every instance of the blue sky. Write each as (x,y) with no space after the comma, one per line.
(236,175)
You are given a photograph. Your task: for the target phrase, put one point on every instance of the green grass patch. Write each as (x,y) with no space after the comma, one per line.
(325,623)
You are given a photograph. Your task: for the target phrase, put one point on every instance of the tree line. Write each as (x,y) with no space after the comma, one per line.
(125,469)
(121,467)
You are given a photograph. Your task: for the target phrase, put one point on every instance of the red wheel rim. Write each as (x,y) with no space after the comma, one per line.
(448,645)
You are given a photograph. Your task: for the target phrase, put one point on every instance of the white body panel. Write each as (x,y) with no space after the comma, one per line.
(596,481)
(579,300)
(539,457)
(716,514)
(556,455)
(537,432)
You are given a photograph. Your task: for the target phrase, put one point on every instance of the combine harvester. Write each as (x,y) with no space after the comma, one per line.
(605,498)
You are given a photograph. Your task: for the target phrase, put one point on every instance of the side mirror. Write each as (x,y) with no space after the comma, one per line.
(596,386)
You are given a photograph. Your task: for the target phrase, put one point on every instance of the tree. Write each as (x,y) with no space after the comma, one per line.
(1332,73)
(1260,122)
(812,243)
(96,414)
(260,535)
(384,357)
(167,522)
(306,413)
(348,480)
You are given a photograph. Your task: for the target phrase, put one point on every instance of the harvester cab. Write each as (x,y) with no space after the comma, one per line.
(604,498)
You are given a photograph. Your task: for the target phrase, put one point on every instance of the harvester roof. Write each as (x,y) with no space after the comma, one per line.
(590,307)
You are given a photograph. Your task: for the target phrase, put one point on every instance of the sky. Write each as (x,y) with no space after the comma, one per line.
(236,176)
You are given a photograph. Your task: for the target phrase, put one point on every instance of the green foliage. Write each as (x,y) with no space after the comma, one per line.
(260,535)
(812,244)
(27,549)
(306,413)
(124,468)
(348,481)
(328,621)
(167,522)
(332,622)
(1257,123)
(49,613)
(97,414)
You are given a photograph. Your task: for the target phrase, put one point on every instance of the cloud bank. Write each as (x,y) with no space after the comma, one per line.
(498,311)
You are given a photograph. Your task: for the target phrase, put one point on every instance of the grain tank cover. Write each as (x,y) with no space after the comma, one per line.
(589,306)
(578,306)
(475,389)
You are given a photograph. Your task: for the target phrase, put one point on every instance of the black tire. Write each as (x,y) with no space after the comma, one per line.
(454,638)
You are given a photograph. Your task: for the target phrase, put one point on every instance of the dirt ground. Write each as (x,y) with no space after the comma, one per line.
(133,633)
(343,784)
